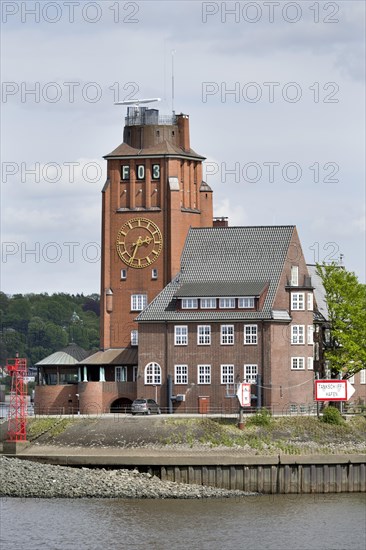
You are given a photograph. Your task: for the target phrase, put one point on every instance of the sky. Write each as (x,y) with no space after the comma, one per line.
(275,95)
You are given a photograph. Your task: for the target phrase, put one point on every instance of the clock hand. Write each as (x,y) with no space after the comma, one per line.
(134,252)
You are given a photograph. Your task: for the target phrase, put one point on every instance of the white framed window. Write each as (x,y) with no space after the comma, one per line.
(311,334)
(294,275)
(180,335)
(250,374)
(310,299)
(138,302)
(250,334)
(297,363)
(310,363)
(180,374)
(297,301)
(298,334)
(247,302)
(134,337)
(204,374)
(204,335)
(351,379)
(227,334)
(152,374)
(123,274)
(189,303)
(120,374)
(227,303)
(227,374)
(154,274)
(363,376)
(208,303)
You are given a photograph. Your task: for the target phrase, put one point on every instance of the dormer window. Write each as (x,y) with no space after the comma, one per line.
(227,303)
(208,303)
(189,303)
(246,302)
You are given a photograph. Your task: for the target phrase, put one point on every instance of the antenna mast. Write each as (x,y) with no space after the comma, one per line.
(173,52)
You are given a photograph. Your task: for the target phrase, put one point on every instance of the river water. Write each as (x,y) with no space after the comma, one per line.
(274,522)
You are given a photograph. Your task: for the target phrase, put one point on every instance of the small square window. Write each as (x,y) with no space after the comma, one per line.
(204,335)
(227,374)
(204,374)
(180,335)
(297,363)
(250,334)
(227,334)
(154,274)
(298,334)
(297,301)
(138,302)
(180,374)
(123,274)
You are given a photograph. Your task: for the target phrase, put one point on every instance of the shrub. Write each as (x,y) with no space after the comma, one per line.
(261,418)
(331,415)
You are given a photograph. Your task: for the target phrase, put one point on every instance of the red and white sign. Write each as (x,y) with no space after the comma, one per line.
(333,390)
(243,394)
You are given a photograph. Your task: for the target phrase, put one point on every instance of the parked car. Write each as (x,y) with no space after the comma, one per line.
(145,406)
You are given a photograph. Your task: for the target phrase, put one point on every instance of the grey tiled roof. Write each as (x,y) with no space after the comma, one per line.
(281,315)
(162,148)
(70,355)
(217,289)
(225,256)
(319,292)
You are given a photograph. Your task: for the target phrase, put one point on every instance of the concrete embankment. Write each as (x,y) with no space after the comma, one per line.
(282,474)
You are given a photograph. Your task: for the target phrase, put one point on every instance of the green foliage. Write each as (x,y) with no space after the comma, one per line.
(261,418)
(346,300)
(331,415)
(53,426)
(36,325)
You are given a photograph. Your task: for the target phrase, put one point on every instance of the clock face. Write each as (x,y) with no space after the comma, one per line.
(139,242)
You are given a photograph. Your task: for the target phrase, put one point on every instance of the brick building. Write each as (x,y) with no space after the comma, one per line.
(189,306)
(240,309)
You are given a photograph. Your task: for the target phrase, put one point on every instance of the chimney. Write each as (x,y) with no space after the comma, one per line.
(221,222)
(183,129)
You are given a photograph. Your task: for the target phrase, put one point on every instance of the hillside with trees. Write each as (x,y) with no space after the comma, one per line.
(36,325)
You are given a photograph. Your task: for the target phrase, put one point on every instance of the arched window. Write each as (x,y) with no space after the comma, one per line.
(152,373)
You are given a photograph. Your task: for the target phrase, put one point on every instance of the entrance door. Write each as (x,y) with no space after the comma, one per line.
(203,404)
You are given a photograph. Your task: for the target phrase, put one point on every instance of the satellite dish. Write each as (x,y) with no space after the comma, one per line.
(137,102)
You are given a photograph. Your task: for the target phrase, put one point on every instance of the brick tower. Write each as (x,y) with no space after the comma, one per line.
(154,192)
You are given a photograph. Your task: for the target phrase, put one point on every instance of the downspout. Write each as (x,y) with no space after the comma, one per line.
(261,378)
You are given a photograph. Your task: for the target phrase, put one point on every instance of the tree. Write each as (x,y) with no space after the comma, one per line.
(346,300)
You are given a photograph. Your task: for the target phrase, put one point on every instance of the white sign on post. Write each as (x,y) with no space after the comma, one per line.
(243,394)
(333,390)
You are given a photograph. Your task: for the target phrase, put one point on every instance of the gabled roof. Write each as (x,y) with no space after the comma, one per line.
(251,257)
(70,355)
(162,148)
